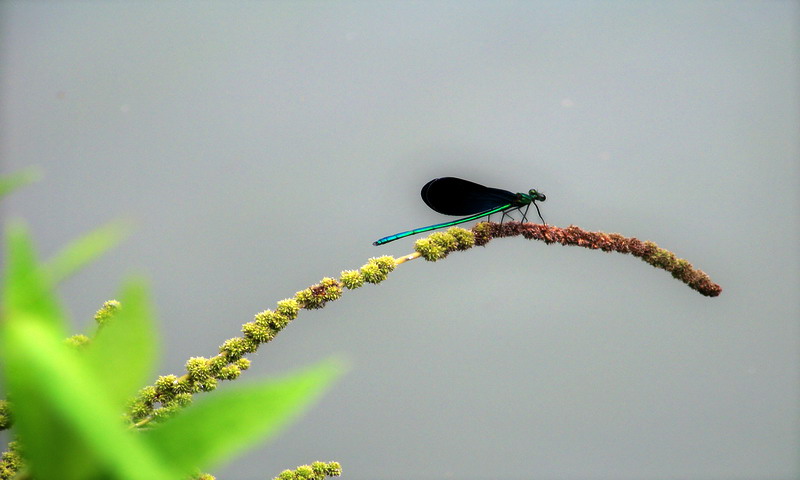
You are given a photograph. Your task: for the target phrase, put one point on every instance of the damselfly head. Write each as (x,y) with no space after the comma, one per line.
(536,195)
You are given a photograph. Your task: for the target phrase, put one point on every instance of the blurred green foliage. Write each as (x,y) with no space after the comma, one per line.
(68,400)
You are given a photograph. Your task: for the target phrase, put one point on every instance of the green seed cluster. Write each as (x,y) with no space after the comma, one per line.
(10,462)
(101,317)
(680,269)
(170,392)
(438,245)
(107,312)
(482,233)
(376,270)
(5,415)
(315,471)
(317,295)
(78,341)
(351,279)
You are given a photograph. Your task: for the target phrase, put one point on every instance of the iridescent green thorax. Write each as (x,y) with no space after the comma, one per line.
(533,195)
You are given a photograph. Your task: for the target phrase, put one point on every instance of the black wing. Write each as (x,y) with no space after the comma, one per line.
(454,196)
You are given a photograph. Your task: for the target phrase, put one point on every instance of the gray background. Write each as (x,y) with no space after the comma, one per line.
(262,146)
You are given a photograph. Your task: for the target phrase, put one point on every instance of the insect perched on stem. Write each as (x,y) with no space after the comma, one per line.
(454,196)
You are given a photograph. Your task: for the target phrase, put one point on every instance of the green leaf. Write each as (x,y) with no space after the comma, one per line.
(123,353)
(218,426)
(27,289)
(9,183)
(87,248)
(68,428)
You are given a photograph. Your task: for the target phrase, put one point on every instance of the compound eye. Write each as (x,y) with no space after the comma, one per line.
(536,195)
